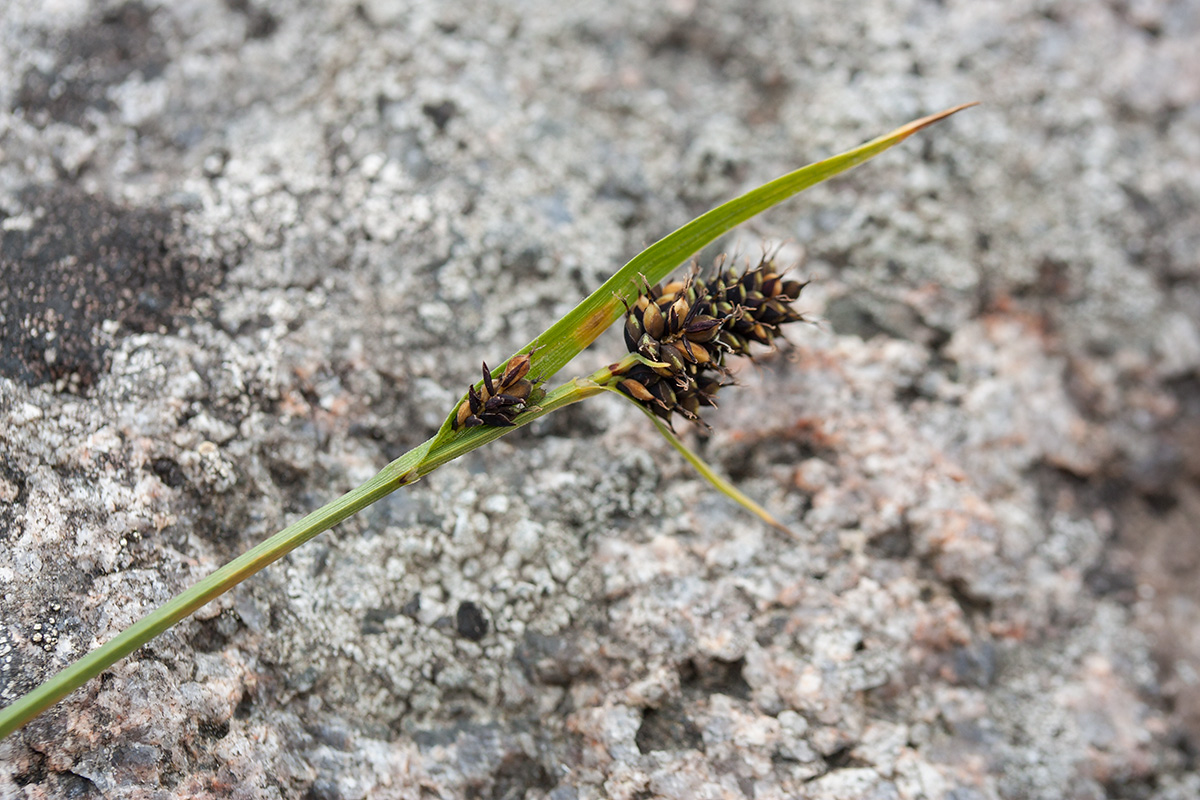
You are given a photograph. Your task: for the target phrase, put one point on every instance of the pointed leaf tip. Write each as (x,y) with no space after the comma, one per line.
(904,131)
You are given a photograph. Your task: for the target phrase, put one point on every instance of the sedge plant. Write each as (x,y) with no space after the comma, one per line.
(678,336)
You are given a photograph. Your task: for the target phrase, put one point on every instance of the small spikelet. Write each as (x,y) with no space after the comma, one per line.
(687,327)
(498,400)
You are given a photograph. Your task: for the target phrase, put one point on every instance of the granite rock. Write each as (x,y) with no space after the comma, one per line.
(252,251)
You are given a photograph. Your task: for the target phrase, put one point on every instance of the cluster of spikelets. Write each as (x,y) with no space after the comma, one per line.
(682,331)
(686,328)
(498,401)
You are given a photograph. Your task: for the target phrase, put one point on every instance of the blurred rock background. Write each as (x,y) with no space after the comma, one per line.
(252,250)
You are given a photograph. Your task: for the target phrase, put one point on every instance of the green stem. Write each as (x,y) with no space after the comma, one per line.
(409,468)
(392,477)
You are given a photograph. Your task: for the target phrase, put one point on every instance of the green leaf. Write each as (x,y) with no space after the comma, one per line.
(567,337)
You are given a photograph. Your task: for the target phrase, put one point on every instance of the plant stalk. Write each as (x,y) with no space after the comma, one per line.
(407,469)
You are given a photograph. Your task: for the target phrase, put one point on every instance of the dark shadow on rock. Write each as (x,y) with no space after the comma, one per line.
(83,261)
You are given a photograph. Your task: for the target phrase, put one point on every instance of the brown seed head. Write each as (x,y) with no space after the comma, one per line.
(687,327)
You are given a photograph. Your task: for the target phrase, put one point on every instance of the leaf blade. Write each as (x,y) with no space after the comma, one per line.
(567,337)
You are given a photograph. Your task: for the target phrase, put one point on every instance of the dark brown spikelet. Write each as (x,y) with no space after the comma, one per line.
(499,400)
(688,327)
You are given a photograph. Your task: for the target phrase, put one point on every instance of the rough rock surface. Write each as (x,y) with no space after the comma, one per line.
(252,250)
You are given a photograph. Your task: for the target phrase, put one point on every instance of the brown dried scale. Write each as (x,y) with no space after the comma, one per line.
(687,327)
(498,400)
